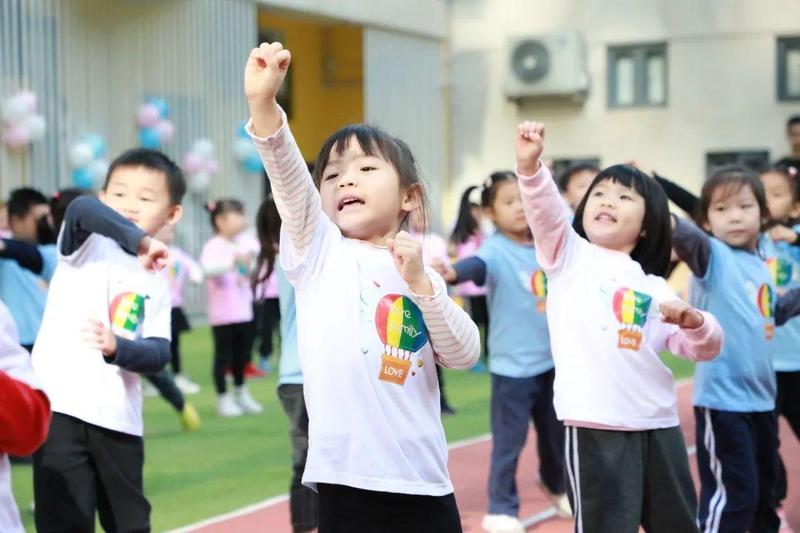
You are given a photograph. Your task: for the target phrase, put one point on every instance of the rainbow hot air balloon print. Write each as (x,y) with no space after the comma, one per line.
(780,270)
(402,331)
(125,314)
(539,289)
(765,301)
(631,309)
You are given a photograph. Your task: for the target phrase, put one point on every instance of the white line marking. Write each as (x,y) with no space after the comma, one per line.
(233,514)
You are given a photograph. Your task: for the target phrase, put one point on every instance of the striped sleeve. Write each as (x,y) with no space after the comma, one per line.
(453,335)
(296,197)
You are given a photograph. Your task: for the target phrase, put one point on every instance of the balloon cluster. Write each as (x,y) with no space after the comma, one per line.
(200,165)
(87,158)
(155,128)
(22,123)
(246,154)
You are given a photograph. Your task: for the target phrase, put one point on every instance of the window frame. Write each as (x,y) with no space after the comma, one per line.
(782,45)
(639,53)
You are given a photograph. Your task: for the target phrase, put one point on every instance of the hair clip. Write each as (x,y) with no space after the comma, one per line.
(56,195)
(211,205)
(792,171)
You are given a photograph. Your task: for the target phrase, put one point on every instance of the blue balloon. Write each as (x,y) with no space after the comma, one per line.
(253,164)
(97,144)
(149,138)
(242,132)
(83,178)
(161,105)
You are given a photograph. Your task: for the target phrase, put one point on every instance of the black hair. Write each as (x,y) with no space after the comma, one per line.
(152,160)
(268,228)
(652,251)
(567,175)
(466,223)
(377,143)
(61,200)
(734,177)
(492,184)
(794,120)
(21,200)
(220,207)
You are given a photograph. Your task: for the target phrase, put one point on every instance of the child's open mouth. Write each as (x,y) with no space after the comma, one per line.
(605,217)
(349,201)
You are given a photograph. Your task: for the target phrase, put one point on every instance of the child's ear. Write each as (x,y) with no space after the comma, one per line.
(488,212)
(795,212)
(707,227)
(412,199)
(175,214)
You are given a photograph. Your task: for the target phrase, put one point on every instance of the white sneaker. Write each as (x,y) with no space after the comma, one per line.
(502,523)
(186,385)
(148,390)
(246,402)
(560,501)
(227,406)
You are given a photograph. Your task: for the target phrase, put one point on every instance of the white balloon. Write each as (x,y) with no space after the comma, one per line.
(80,155)
(203,148)
(199,182)
(99,168)
(242,148)
(36,125)
(14,109)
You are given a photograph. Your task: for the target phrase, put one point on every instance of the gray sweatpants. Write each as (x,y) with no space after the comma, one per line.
(620,480)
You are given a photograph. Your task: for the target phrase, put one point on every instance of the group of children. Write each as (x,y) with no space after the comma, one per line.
(573,280)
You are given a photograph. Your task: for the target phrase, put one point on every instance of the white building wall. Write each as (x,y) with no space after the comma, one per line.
(721,83)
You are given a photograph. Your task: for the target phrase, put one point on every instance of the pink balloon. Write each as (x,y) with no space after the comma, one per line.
(147,116)
(16,137)
(193,163)
(29,98)
(165,131)
(211,167)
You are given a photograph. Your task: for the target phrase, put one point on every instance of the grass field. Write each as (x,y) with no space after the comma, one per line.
(231,463)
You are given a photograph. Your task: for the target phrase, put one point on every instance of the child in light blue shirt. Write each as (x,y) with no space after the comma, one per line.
(521,364)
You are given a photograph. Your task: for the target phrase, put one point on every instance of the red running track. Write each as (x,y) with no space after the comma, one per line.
(469,469)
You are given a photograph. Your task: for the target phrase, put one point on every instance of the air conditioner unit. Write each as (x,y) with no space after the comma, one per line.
(546,65)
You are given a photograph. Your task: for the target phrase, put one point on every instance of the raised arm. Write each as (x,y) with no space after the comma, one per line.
(87,215)
(684,199)
(692,245)
(787,306)
(296,197)
(547,215)
(700,343)
(27,255)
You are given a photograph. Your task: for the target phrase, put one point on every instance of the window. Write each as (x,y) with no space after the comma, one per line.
(757,160)
(637,75)
(788,70)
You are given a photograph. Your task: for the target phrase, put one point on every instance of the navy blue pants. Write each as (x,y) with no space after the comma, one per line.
(515,402)
(737,458)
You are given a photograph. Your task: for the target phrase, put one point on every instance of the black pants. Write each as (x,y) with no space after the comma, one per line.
(443,402)
(515,402)
(787,404)
(303,503)
(179,324)
(83,468)
(232,346)
(164,381)
(620,480)
(267,319)
(479,313)
(349,510)
(737,459)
